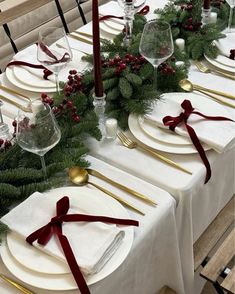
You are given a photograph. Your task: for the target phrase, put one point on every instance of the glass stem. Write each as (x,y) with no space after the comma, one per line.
(43,166)
(57,83)
(230,19)
(155,77)
(128,20)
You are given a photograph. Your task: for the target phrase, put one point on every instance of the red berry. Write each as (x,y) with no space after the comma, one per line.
(78,78)
(111,62)
(122,66)
(76,118)
(117,59)
(43,95)
(1,142)
(69,104)
(190,28)
(14,123)
(190,20)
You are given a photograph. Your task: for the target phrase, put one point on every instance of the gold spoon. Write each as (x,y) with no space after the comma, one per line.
(80,177)
(189,87)
(187,84)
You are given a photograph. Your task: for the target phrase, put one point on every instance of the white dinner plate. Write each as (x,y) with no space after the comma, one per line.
(12,79)
(107,29)
(162,135)
(198,101)
(26,268)
(225,45)
(219,65)
(116,24)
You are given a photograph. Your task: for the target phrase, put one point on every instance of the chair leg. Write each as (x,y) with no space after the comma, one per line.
(218,288)
(81,12)
(61,14)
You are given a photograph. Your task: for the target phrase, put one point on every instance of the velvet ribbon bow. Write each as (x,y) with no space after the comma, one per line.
(232,54)
(143,11)
(172,122)
(44,234)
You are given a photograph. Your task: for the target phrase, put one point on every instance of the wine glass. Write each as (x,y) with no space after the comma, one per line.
(231,3)
(156,44)
(130,8)
(50,55)
(37,131)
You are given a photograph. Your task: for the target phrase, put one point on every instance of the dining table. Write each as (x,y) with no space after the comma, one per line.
(162,251)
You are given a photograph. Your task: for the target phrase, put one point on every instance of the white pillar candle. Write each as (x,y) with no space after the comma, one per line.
(111,128)
(180,43)
(213,17)
(180,64)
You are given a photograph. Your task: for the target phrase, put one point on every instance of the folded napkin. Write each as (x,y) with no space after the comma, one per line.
(219,135)
(226,44)
(93,244)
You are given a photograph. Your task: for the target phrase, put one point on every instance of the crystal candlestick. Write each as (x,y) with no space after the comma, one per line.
(99,104)
(128,20)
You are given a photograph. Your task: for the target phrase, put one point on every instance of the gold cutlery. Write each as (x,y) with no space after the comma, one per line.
(26,109)
(60,46)
(120,186)
(203,68)
(14,92)
(83,34)
(80,177)
(189,87)
(76,37)
(127,142)
(16,285)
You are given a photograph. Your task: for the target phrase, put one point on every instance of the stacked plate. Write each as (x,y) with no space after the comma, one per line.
(36,268)
(222,61)
(31,79)
(112,26)
(159,138)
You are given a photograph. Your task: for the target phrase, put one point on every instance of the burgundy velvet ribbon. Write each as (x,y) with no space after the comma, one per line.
(46,72)
(172,122)
(44,234)
(143,11)
(232,54)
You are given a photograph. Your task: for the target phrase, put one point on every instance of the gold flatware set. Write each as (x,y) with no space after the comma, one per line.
(129,143)
(80,177)
(189,87)
(203,68)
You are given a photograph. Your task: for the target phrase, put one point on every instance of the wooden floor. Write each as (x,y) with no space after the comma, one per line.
(208,289)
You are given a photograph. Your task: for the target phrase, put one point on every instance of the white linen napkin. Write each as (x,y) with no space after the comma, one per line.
(93,244)
(226,44)
(219,135)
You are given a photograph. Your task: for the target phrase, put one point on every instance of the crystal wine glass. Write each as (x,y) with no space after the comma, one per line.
(231,3)
(37,131)
(51,56)
(156,44)
(130,8)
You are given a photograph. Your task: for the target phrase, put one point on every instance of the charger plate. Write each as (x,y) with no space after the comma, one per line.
(27,267)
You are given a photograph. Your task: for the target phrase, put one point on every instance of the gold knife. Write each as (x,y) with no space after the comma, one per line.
(26,109)
(120,186)
(16,285)
(72,35)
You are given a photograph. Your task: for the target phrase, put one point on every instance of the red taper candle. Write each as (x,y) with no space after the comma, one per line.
(96,50)
(206,4)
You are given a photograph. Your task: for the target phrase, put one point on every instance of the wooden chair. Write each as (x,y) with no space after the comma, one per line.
(222,251)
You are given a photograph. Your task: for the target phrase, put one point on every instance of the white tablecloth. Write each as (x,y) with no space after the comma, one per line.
(154,259)
(197,204)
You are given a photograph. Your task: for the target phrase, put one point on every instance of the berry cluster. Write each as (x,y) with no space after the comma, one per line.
(188,7)
(4,145)
(121,63)
(67,107)
(166,69)
(190,26)
(232,54)
(46,99)
(74,83)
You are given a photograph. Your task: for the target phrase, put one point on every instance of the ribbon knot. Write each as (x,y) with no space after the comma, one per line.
(44,234)
(173,121)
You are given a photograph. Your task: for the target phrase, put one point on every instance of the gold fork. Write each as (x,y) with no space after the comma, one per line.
(16,285)
(26,109)
(76,37)
(127,142)
(203,68)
